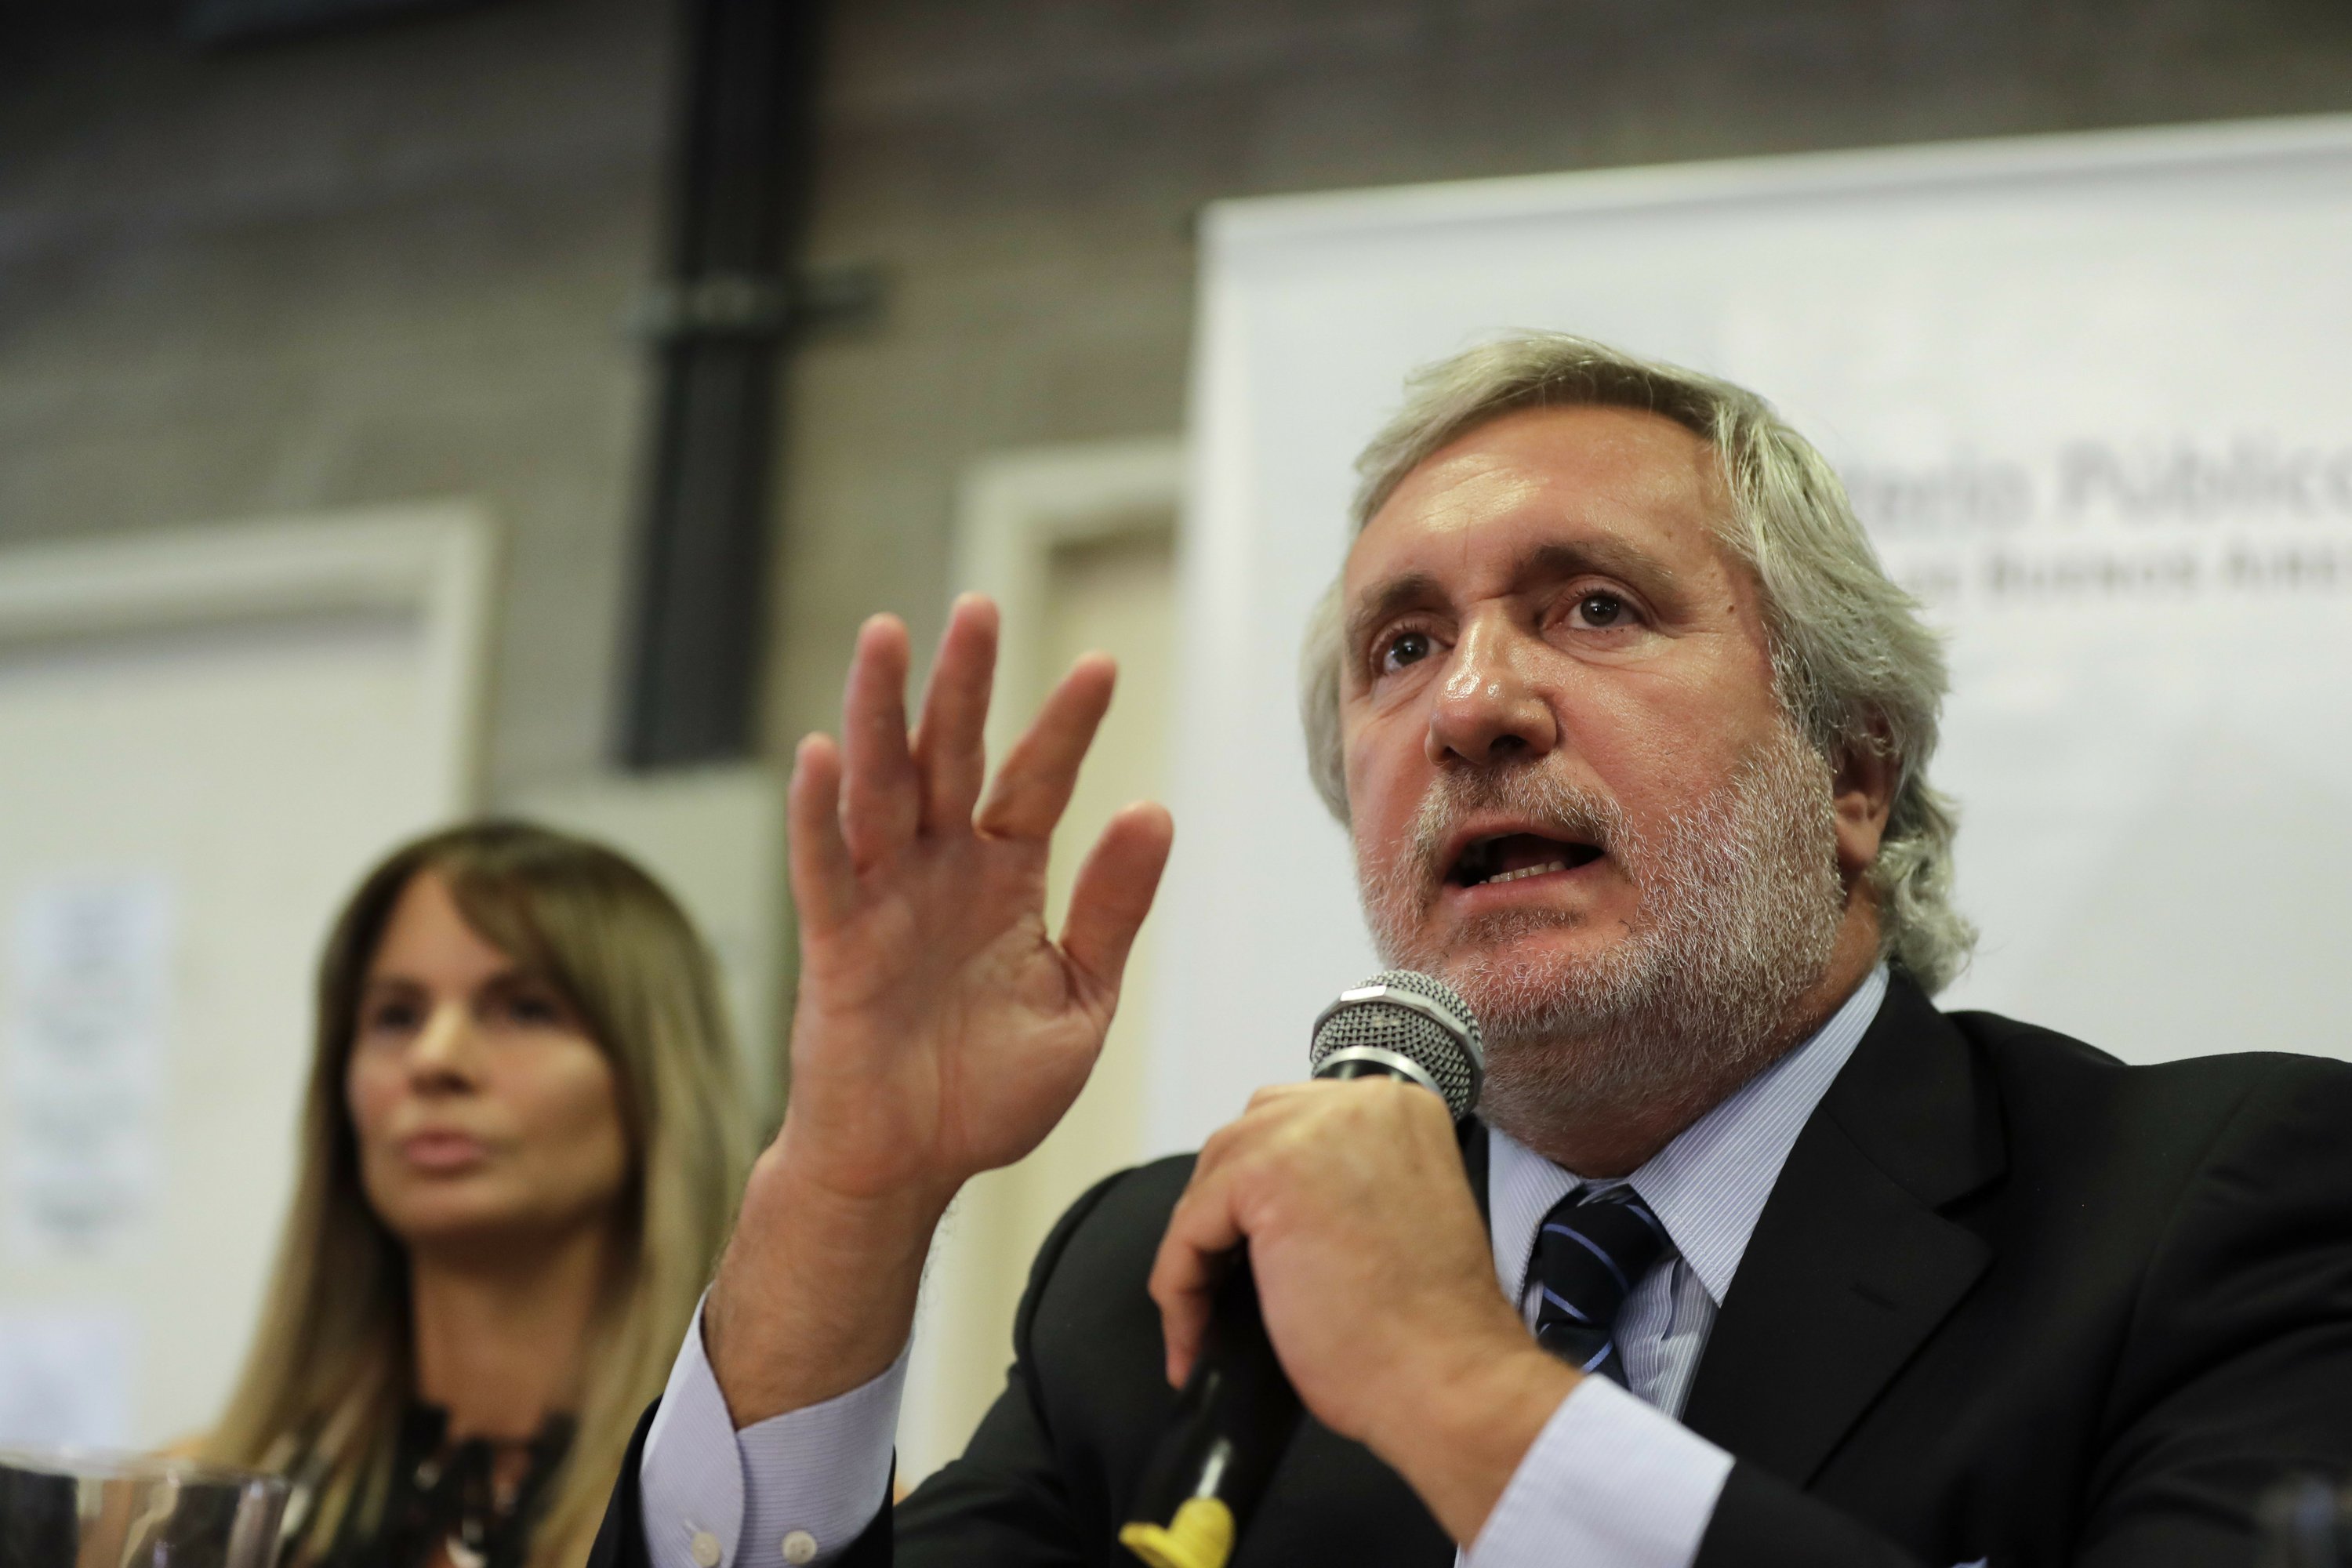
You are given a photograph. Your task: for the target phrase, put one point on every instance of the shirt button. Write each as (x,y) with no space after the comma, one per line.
(800,1546)
(706,1549)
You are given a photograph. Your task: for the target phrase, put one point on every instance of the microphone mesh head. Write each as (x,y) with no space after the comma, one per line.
(1440,1034)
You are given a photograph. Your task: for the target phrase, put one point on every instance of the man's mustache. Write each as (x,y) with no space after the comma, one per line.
(1548,803)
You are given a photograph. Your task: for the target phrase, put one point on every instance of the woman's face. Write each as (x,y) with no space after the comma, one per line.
(485,1112)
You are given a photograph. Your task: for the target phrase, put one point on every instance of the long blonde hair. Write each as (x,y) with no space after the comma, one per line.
(331,1369)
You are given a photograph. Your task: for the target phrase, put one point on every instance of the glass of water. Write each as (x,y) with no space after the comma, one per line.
(64,1509)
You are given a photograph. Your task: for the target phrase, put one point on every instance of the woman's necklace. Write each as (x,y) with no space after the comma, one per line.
(484,1483)
(475,1499)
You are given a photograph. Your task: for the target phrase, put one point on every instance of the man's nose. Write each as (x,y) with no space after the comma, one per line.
(1487,708)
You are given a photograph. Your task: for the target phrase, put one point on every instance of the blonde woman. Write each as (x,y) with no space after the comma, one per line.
(519,1150)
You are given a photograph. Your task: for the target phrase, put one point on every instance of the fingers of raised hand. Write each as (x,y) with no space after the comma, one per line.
(824,881)
(1034,785)
(949,752)
(1114,891)
(880,801)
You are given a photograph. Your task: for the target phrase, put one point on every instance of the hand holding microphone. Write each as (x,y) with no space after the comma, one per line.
(1373,1281)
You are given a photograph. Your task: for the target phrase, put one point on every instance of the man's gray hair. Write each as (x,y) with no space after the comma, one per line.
(1854,663)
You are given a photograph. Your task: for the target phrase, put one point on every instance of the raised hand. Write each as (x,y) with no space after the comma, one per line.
(940,1029)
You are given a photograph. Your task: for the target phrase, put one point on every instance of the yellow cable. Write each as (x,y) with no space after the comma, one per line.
(1200,1536)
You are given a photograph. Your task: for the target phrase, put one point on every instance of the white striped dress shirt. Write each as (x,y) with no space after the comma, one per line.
(1614,1480)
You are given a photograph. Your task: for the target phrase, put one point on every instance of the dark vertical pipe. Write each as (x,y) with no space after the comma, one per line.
(737,207)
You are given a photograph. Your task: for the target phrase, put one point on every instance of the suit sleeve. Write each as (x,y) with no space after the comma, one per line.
(1006,1502)
(2236,1369)
(621,1539)
(2238,1366)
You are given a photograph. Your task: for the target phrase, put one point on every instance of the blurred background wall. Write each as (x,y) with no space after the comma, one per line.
(398,262)
(387,263)
(1029,173)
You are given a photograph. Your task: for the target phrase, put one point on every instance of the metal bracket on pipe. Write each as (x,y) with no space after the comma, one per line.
(747,305)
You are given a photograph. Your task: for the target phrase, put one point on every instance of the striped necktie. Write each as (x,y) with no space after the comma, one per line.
(1590,1251)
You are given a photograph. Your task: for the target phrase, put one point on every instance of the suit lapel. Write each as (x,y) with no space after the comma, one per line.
(1851,1266)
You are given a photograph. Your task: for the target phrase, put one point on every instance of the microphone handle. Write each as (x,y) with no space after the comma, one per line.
(1234,1419)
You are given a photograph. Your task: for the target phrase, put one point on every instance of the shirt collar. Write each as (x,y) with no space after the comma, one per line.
(1709,1185)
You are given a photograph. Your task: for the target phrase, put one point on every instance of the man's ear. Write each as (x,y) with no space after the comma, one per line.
(1863,794)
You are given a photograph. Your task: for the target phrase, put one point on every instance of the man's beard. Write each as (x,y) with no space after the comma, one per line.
(1740,904)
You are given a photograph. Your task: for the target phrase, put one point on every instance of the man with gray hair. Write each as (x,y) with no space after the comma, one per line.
(1630,734)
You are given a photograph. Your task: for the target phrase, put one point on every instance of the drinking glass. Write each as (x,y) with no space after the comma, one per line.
(67,1510)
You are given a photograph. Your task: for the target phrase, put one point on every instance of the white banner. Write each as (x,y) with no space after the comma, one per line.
(2093,396)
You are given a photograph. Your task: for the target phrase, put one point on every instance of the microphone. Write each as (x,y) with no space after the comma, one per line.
(1238,1410)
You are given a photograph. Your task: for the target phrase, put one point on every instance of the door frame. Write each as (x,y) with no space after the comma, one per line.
(437,561)
(1014,510)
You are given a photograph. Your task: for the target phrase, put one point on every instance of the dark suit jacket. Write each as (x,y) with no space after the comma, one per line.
(2010,1299)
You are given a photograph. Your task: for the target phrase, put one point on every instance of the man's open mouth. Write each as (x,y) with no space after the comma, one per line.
(1510,856)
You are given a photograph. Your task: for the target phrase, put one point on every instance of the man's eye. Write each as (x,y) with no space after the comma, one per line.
(1405,647)
(1602,611)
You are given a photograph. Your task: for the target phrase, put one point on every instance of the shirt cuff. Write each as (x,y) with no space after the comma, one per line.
(1609,1479)
(795,1489)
